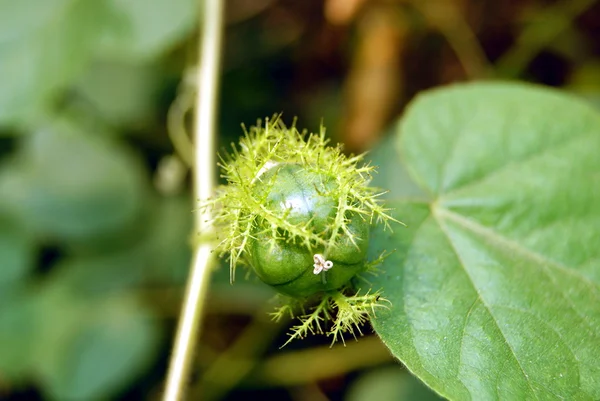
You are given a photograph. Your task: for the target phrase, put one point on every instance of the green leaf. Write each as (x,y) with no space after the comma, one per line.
(495,284)
(170,241)
(17,252)
(89,350)
(71,185)
(43,45)
(160,254)
(121,93)
(101,275)
(19,325)
(141,29)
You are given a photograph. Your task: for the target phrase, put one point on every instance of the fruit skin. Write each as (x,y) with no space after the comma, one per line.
(303,197)
(293,205)
(290,196)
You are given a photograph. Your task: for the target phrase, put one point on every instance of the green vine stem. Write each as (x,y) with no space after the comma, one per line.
(539,33)
(211,15)
(294,368)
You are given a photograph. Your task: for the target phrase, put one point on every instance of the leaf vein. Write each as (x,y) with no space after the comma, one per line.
(462,337)
(542,260)
(485,305)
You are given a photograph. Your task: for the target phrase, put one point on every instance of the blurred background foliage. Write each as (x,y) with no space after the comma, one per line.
(95,206)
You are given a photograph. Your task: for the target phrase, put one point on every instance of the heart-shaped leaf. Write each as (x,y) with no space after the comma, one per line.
(495,284)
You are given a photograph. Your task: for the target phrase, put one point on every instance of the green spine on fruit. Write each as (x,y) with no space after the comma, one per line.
(292,203)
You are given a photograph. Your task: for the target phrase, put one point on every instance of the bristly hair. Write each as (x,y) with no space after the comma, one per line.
(239,211)
(334,315)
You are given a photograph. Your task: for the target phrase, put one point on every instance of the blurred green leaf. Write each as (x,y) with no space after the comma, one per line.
(43,45)
(101,275)
(389,384)
(494,285)
(170,239)
(72,186)
(19,327)
(88,350)
(141,29)
(160,255)
(17,254)
(121,93)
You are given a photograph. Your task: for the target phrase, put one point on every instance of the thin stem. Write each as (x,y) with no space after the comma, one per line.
(451,22)
(468,50)
(204,182)
(299,367)
(176,126)
(538,34)
(234,364)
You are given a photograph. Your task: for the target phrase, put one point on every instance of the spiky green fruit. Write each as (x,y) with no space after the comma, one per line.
(296,210)
(305,196)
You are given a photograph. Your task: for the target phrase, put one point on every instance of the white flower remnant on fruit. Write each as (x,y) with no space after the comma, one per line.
(321,264)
